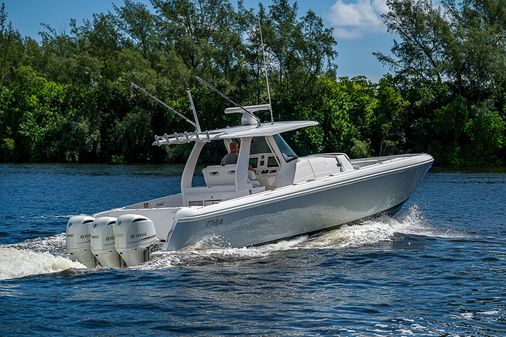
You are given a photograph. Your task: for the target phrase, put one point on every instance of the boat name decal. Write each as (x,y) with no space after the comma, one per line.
(214,222)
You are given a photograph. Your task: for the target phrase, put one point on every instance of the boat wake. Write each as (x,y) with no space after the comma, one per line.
(383,229)
(204,255)
(35,257)
(48,255)
(16,263)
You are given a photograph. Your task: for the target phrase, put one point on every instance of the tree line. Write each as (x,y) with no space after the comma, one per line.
(66,97)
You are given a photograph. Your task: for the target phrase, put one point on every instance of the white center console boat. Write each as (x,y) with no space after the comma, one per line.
(268,195)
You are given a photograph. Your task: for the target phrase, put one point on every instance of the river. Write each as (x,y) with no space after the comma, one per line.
(437,268)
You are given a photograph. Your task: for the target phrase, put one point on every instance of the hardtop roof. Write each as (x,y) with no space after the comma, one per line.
(242,131)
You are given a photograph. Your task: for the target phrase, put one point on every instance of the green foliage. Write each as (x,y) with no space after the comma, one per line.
(388,126)
(360,149)
(449,132)
(450,65)
(349,110)
(38,116)
(131,134)
(486,133)
(67,97)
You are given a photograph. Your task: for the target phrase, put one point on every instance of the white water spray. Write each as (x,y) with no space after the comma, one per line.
(15,263)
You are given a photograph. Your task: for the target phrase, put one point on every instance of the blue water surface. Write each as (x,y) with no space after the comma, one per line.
(437,268)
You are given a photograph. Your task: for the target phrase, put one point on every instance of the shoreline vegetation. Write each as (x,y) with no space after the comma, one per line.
(66,97)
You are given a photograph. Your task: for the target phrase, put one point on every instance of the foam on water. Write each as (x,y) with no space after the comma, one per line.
(34,257)
(15,263)
(377,230)
(201,255)
(51,244)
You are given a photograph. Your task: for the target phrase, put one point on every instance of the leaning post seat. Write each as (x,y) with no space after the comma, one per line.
(218,175)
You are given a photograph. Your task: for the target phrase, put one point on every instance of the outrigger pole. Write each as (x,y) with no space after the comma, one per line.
(145,92)
(203,82)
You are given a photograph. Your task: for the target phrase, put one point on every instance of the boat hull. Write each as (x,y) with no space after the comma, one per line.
(300,209)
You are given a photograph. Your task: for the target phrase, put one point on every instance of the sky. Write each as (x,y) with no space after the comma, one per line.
(358,28)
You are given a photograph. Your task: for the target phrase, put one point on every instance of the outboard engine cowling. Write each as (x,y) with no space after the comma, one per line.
(102,242)
(135,236)
(79,239)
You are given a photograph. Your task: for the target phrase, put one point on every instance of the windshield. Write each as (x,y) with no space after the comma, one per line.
(259,145)
(286,150)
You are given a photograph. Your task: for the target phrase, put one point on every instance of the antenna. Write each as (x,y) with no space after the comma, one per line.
(145,92)
(265,68)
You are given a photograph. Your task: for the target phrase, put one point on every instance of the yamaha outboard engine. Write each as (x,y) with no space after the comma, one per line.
(102,242)
(135,236)
(79,239)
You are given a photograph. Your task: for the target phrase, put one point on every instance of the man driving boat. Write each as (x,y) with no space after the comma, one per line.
(231,157)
